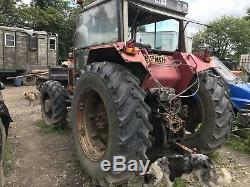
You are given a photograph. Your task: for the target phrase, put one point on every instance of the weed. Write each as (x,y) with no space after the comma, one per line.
(179,183)
(240,144)
(50,130)
(9,156)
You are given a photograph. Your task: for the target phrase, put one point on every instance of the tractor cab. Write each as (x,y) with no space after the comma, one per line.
(142,21)
(122,31)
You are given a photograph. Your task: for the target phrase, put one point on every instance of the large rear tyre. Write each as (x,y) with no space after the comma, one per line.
(210,115)
(2,151)
(54,104)
(109,118)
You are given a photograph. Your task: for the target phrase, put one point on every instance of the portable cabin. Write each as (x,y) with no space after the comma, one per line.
(245,62)
(23,50)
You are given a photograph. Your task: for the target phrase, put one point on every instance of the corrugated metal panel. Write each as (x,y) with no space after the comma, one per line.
(1,49)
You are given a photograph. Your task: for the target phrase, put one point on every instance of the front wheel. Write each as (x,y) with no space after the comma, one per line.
(109,118)
(54,104)
(2,151)
(210,115)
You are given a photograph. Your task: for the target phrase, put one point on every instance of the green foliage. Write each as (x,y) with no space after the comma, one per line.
(227,37)
(141,29)
(179,183)
(240,144)
(8,12)
(50,130)
(9,156)
(247,17)
(44,3)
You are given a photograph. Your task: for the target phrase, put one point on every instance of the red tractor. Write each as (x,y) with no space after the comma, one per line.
(136,97)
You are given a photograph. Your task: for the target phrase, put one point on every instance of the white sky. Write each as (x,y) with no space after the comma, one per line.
(208,10)
(26,1)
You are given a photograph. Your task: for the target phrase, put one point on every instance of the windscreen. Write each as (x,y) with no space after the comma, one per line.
(97,25)
(161,35)
(224,72)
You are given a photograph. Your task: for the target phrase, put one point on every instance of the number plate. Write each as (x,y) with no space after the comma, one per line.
(156,59)
(161,2)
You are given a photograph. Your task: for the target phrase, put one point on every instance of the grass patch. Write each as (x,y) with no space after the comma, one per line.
(240,144)
(179,183)
(73,162)
(50,130)
(9,156)
(240,138)
(215,156)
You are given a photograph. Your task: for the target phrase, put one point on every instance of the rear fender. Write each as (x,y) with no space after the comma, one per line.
(168,75)
(190,66)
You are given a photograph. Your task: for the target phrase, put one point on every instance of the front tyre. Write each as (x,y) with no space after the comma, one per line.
(109,118)
(210,115)
(54,104)
(2,151)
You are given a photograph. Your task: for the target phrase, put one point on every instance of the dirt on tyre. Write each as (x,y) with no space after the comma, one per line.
(210,115)
(54,104)
(109,118)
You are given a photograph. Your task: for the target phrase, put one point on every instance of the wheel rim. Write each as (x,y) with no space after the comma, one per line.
(197,109)
(47,105)
(92,123)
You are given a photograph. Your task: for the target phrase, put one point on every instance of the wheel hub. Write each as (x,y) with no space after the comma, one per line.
(92,125)
(48,106)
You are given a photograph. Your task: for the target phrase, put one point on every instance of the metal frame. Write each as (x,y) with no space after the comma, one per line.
(122,15)
(158,6)
(5,39)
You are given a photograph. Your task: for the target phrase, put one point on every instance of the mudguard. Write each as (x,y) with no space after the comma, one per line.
(5,116)
(177,71)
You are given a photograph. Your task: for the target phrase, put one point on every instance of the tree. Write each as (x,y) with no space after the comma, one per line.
(44,3)
(227,37)
(8,12)
(52,16)
(247,17)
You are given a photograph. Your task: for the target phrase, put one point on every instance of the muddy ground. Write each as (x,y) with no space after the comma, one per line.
(40,157)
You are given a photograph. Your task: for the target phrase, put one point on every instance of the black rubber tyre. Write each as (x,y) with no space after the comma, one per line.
(2,150)
(29,81)
(54,104)
(127,119)
(215,115)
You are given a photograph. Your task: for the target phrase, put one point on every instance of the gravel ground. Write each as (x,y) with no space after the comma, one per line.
(43,158)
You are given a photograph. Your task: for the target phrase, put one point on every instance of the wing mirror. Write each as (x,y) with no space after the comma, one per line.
(2,87)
